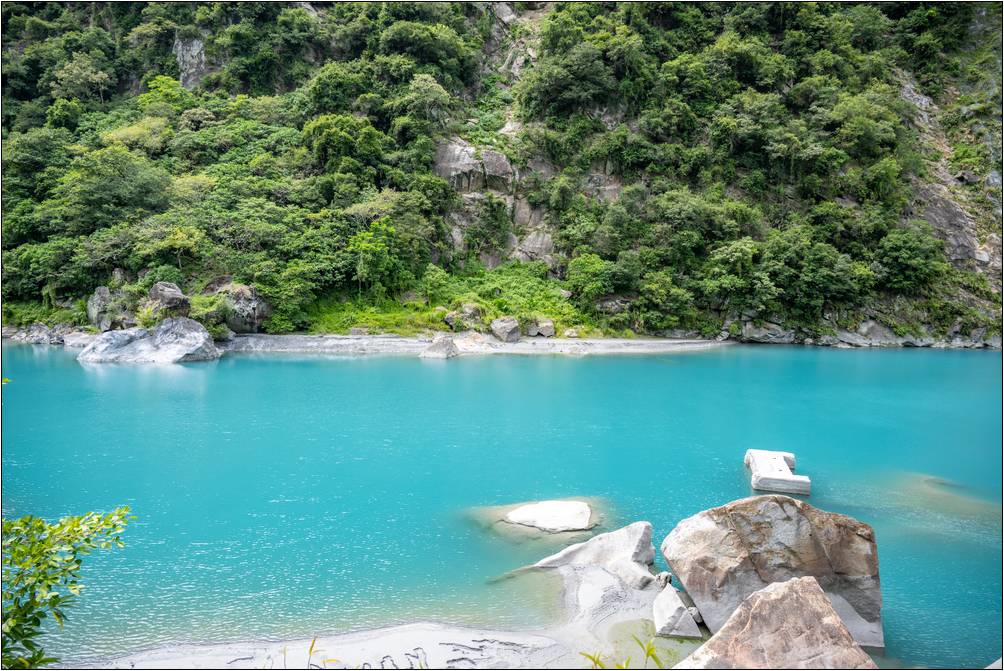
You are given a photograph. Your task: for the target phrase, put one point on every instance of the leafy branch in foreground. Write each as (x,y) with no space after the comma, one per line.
(41,563)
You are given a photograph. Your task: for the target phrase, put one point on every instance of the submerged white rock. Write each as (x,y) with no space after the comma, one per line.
(553,516)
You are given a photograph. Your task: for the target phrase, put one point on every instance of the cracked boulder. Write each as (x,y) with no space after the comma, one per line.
(723,555)
(785,625)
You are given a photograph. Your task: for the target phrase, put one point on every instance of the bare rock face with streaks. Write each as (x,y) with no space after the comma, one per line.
(725,554)
(468,168)
(786,625)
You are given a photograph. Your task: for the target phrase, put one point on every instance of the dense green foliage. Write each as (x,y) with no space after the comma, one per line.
(41,566)
(765,153)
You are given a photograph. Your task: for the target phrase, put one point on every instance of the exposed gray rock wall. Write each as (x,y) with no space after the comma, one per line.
(190,52)
(938,201)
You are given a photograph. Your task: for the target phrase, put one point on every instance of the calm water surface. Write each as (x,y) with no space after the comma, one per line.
(286,496)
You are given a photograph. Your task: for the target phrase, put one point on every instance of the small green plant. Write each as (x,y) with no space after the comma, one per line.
(648,649)
(146,316)
(650,652)
(594,659)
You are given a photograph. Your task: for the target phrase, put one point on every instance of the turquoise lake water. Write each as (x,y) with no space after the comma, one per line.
(281,496)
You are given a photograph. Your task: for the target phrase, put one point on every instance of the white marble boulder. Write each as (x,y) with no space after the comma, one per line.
(724,554)
(174,340)
(785,625)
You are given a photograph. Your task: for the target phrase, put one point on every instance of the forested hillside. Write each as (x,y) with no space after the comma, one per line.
(661,167)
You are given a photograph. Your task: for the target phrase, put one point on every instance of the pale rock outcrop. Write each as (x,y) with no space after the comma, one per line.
(766,332)
(672,617)
(724,554)
(525,215)
(174,340)
(190,52)
(468,169)
(78,339)
(785,625)
(607,583)
(247,310)
(947,211)
(541,327)
(602,184)
(167,298)
(537,245)
(506,329)
(105,310)
(627,553)
(40,334)
(612,305)
(553,516)
(466,318)
(442,347)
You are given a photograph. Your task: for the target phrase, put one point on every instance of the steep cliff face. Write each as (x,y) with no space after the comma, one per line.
(494,190)
(953,202)
(768,171)
(962,206)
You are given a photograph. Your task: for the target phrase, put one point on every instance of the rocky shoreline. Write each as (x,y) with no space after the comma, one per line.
(116,335)
(461,344)
(449,345)
(762,582)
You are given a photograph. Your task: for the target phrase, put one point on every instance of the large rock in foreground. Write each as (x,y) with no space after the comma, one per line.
(786,625)
(725,554)
(174,340)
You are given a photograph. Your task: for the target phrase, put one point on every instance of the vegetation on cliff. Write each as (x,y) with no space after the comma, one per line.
(760,159)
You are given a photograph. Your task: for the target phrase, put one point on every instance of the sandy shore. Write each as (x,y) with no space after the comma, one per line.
(467,343)
(423,645)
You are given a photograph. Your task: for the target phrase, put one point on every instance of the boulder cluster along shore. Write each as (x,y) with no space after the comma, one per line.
(181,340)
(115,336)
(761,582)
